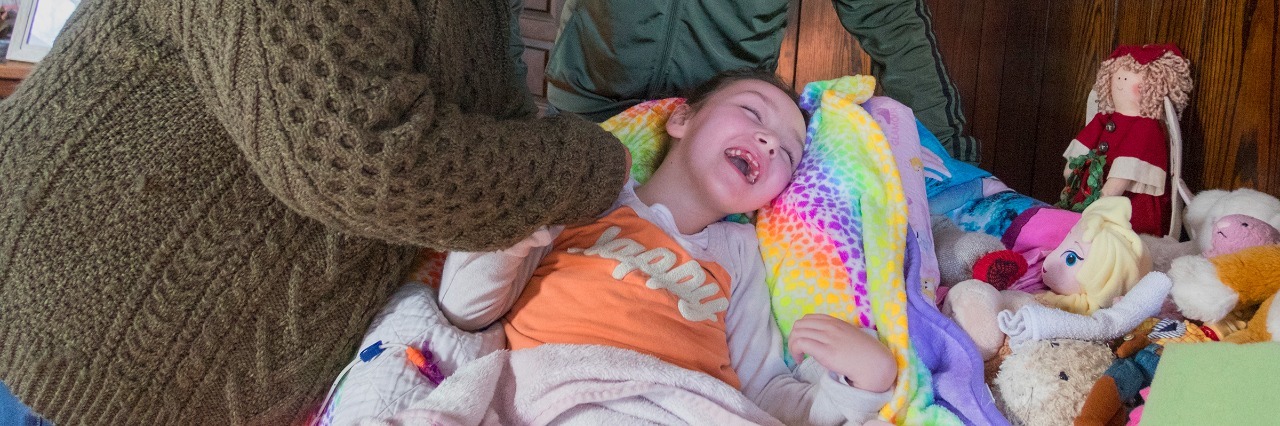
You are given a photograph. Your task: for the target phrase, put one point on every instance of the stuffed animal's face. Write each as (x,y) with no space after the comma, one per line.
(1207,207)
(1236,232)
(1046,382)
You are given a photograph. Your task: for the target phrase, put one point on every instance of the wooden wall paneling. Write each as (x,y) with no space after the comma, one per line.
(535,58)
(1015,142)
(1024,69)
(12,73)
(540,19)
(1183,22)
(1237,67)
(1075,33)
(787,54)
(543,6)
(1272,162)
(1133,22)
(826,50)
(984,123)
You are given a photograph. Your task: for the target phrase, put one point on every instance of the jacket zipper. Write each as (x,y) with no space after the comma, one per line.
(659,78)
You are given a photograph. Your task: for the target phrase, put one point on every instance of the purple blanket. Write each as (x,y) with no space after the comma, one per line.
(947,351)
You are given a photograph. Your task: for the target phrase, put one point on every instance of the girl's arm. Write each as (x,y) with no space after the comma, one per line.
(809,395)
(478,288)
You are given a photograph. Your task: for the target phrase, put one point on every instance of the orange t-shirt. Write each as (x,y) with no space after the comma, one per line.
(623,282)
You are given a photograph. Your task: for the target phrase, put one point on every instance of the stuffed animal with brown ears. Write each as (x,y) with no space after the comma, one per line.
(1045,382)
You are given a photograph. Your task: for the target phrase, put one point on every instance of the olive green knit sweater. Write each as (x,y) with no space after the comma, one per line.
(203,202)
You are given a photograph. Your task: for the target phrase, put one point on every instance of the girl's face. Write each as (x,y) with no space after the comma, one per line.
(1064,263)
(1126,91)
(741,147)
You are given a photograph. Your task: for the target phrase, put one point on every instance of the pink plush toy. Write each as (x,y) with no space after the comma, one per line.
(1202,215)
(1236,232)
(1236,271)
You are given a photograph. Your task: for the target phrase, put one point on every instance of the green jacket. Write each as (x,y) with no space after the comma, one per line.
(611,54)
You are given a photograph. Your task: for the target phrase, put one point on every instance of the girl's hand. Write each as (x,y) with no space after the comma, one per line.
(845,350)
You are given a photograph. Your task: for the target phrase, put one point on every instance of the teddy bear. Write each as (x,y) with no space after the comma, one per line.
(974,255)
(1045,382)
(1209,288)
(1236,270)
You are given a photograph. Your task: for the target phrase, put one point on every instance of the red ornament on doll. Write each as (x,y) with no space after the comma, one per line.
(1124,149)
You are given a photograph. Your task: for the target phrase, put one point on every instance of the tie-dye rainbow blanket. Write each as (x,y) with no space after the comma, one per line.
(834,241)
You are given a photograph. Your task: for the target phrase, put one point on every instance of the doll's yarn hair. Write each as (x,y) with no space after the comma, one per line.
(1116,261)
(1170,75)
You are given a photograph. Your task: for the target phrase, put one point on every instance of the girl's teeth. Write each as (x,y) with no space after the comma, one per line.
(749,159)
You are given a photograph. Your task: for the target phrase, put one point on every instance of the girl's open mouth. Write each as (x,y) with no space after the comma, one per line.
(746,163)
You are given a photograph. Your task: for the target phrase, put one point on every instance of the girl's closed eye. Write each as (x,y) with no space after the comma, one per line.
(753,112)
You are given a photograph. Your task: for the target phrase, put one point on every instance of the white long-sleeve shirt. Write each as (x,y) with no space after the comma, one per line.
(478,289)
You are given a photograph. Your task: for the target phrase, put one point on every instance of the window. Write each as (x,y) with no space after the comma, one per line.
(34,25)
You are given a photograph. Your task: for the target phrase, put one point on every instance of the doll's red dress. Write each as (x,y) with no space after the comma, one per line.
(1138,150)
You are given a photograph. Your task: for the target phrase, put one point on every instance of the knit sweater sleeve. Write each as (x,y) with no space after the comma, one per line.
(337,108)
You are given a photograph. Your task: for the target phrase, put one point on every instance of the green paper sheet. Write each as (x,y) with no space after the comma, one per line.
(1216,384)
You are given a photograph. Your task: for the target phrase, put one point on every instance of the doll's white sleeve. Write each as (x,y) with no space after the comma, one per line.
(810,394)
(478,288)
(1036,322)
(1147,178)
(1075,149)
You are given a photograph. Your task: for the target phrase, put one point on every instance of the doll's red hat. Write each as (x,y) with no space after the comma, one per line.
(1146,53)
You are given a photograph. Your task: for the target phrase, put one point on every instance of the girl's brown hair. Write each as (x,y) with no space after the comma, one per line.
(694,98)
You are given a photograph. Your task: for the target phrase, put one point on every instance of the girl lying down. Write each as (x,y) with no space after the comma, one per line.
(660,273)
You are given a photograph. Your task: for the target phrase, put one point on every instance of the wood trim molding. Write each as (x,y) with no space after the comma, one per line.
(12,73)
(15,70)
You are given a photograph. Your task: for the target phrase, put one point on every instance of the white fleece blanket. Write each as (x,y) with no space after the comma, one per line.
(560,384)
(576,384)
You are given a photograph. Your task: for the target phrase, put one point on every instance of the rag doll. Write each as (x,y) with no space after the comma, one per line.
(1138,353)
(1137,358)
(1124,150)
(1100,260)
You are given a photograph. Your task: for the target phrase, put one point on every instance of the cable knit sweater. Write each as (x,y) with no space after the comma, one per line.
(203,202)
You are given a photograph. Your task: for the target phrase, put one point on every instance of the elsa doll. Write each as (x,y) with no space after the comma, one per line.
(1100,260)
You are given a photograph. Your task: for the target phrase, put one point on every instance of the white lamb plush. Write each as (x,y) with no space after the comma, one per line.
(1202,212)
(1209,206)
